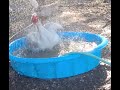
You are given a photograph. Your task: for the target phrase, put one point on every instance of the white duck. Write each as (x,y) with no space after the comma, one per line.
(44,36)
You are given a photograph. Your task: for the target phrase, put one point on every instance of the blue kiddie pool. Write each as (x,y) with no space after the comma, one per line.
(70,64)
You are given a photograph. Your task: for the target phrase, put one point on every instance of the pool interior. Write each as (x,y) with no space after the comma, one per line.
(76,37)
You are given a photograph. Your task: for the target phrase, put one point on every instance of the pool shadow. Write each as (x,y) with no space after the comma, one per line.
(92,80)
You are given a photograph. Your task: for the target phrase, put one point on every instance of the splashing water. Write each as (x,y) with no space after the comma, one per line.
(34,3)
(43,37)
(43,41)
(66,46)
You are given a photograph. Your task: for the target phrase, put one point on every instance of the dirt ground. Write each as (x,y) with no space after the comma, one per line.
(75,15)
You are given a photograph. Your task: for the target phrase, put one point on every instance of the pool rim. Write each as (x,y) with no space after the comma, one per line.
(62,58)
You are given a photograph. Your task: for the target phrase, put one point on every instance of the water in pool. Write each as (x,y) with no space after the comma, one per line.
(65,46)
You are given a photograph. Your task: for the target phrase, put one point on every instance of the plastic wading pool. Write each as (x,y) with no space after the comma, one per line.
(70,64)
